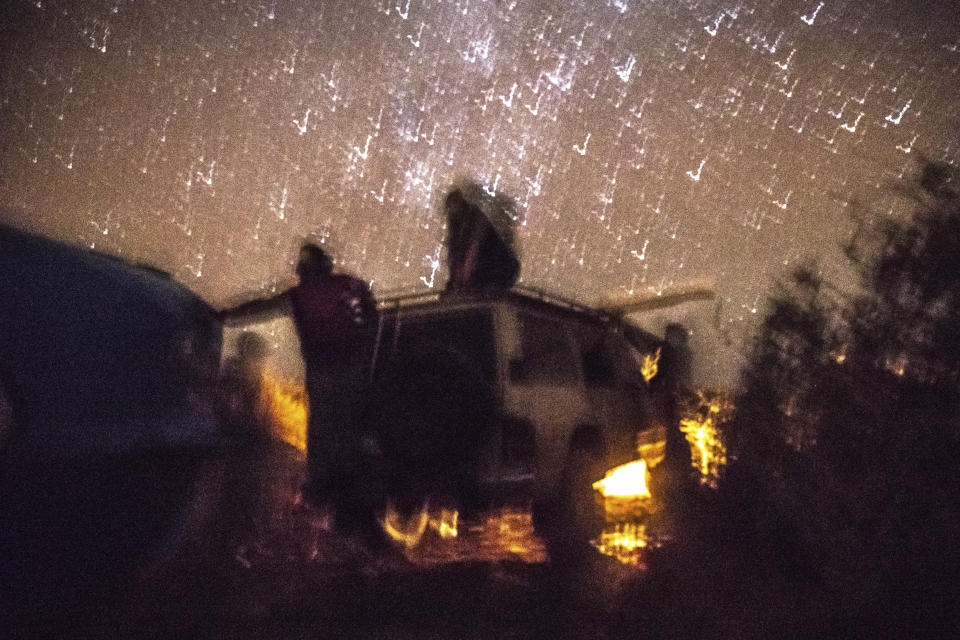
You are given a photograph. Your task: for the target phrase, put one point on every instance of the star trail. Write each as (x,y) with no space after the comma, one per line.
(647,143)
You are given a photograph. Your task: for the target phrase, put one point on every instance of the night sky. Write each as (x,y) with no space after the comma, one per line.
(647,143)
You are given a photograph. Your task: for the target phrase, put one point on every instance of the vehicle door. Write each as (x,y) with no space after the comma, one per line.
(444,401)
(544,391)
(615,389)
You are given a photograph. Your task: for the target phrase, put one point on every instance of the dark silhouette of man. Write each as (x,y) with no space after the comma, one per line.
(674,475)
(335,316)
(240,386)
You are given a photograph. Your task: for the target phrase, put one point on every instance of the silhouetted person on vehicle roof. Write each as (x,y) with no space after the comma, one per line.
(335,316)
(480,241)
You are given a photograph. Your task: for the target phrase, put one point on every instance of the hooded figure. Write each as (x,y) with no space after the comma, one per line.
(480,240)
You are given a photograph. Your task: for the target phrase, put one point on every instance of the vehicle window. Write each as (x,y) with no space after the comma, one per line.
(518,445)
(597,358)
(546,353)
(468,335)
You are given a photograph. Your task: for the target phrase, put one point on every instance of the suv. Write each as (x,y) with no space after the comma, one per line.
(513,394)
(109,445)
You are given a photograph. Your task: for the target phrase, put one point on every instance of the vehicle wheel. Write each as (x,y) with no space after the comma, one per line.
(577,517)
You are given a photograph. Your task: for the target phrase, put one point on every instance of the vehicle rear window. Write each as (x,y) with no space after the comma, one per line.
(597,358)
(467,335)
(546,353)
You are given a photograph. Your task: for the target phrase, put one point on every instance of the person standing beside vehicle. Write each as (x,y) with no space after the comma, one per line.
(673,385)
(240,386)
(335,316)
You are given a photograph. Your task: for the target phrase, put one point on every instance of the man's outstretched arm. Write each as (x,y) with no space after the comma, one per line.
(258,310)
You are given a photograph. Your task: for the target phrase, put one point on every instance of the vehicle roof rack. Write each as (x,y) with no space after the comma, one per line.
(560,301)
(406,298)
(639,337)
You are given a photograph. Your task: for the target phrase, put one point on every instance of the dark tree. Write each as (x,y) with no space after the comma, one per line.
(848,425)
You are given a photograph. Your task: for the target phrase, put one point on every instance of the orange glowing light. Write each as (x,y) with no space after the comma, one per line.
(624,542)
(708,451)
(445,523)
(409,530)
(626,481)
(649,368)
(286,405)
(510,531)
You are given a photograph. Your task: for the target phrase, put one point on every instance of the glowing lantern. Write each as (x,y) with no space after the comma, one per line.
(626,481)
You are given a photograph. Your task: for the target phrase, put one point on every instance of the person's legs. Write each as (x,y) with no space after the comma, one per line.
(339,473)
(357,493)
(321,416)
(332,396)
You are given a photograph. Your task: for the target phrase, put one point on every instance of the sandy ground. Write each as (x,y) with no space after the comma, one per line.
(283,571)
(279,568)
(302,579)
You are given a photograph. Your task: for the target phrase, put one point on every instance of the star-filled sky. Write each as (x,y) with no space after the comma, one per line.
(647,142)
